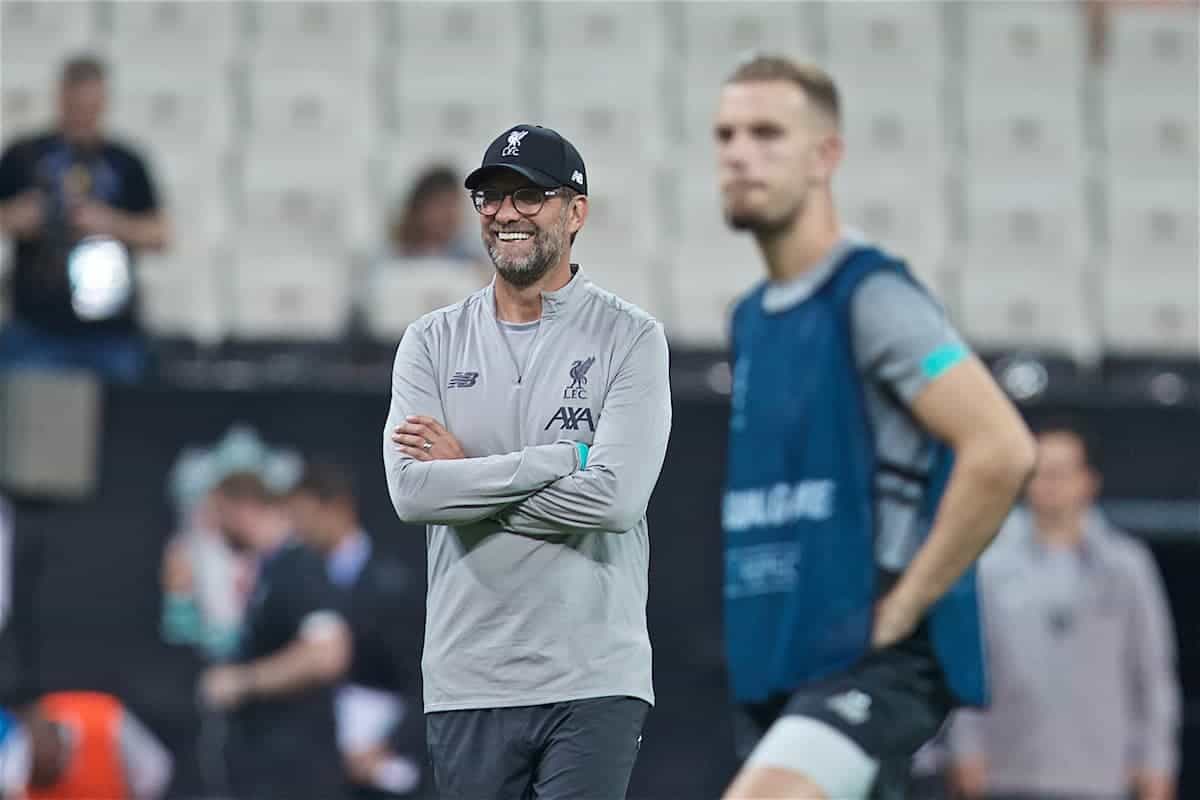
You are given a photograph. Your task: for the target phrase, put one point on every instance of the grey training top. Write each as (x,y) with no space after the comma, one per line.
(1081,654)
(902,342)
(537,568)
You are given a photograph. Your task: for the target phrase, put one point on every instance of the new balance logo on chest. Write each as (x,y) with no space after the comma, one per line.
(463,380)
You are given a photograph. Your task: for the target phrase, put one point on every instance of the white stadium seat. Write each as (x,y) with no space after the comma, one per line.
(1021,134)
(894,129)
(719,35)
(336,37)
(1024,306)
(1025,43)
(291,207)
(28,98)
(622,131)
(449,125)
(39,32)
(477,43)
(627,38)
(399,292)
(289,297)
(1152,224)
(1152,45)
(1035,225)
(306,112)
(887,43)
(181,120)
(890,211)
(1152,135)
(174,38)
(184,292)
(1152,311)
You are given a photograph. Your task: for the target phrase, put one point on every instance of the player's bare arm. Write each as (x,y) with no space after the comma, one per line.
(994,455)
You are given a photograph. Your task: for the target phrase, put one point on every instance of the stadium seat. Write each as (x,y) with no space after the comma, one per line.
(1024,306)
(1152,224)
(907,217)
(710,266)
(290,205)
(472,41)
(891,129)
(624,220)
(1152,46)
(184,293)
(1025,43)
(289,299)
(718,35)
(883,44)
(627,38)
(1021,134)
(1036,225)
(335,37)
(399,292)
(179,121)
(304,112)
(38,32)
(639,282)
(623,130)
(176,39)
(1152,311)
(28,98)
(1151,134)
(447,121)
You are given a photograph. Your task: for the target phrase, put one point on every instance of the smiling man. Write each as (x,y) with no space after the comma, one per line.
(527,428)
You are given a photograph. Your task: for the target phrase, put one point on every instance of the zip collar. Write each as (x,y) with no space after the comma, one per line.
(555,303)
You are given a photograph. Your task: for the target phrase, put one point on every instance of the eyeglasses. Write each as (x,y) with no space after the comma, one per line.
(528,200)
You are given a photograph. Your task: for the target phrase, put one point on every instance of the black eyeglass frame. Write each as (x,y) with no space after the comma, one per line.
(478,200)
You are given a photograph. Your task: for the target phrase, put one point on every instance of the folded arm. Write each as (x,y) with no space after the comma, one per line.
(455,491)
(611,494)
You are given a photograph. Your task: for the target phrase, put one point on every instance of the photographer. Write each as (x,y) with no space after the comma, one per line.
(58,189)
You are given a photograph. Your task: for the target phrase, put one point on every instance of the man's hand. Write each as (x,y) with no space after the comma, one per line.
(425,439)
(96,219)
(21,217)
(895,619)
(968,779)
(225,687)
(1152,786)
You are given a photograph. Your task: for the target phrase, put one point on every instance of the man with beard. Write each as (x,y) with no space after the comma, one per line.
(871,460)
(294,648)
(537,660)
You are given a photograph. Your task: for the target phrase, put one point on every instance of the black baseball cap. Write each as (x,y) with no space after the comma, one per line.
(540,154)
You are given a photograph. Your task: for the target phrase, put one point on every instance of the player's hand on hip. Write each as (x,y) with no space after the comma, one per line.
(968,778)
(426,439)
(895,620)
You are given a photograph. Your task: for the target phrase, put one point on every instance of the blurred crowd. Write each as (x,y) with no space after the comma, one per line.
(312,680)
(80,207)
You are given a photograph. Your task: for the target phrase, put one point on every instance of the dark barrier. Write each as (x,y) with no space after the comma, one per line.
(89,572)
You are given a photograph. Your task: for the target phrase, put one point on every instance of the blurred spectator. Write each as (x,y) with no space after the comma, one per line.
(1085,699)
(294,647)
(58,189)
(205,583)
(430,222)
(376,593)
(88,745)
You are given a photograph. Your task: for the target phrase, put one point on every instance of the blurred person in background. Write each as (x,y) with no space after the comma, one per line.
(1081,652)
(376,591)
(872,458)
(56,189)
(77,745)
(527,428)
(294,648)
(429,224)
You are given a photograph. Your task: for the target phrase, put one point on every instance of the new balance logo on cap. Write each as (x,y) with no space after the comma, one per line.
(577,176)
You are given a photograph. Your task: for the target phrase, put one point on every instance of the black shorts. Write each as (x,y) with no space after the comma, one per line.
(889,704)
(576,750)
